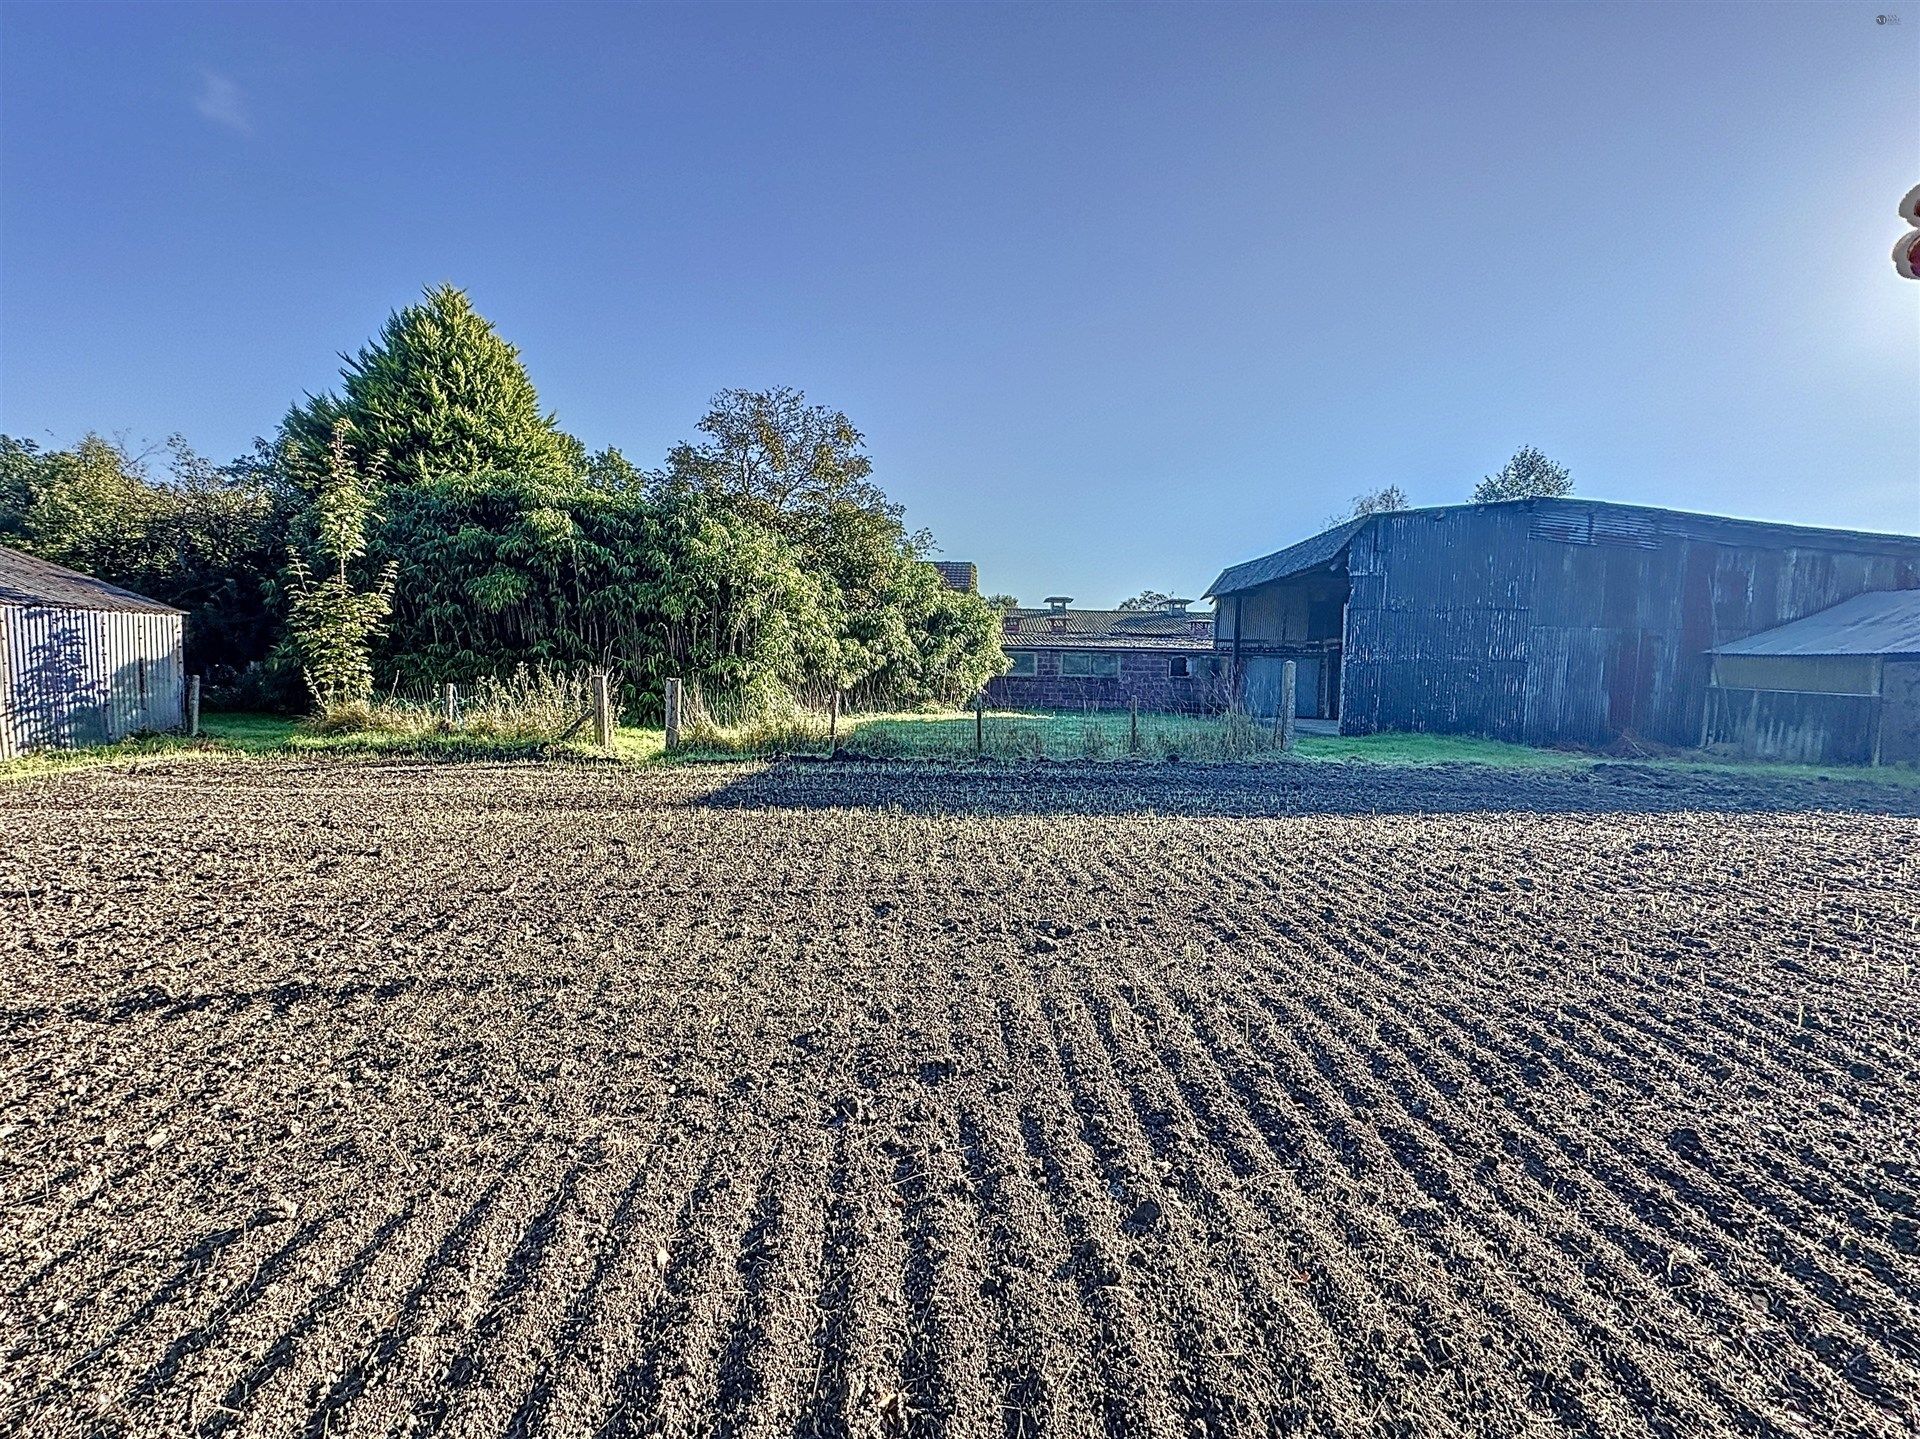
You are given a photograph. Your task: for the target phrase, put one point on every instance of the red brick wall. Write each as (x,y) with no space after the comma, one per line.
(1145,676)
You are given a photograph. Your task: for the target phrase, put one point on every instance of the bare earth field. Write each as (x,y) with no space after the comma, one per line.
(841,1099)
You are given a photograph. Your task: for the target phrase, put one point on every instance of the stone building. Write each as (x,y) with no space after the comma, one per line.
(1069,659)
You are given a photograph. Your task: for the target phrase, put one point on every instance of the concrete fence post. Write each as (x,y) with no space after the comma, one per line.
(1283,722)
(602,711)
(193,706)
(673,715)
(452,706)
(833,725)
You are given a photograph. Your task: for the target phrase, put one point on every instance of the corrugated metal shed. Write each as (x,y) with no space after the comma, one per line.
(1882,622)
(1547,621)
(82,661)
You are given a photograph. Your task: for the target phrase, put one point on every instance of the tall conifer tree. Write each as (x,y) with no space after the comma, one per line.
(438,393)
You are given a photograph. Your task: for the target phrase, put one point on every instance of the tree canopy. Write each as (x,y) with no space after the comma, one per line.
(1374,502)
(437,392)
(1528,475)
(428,521)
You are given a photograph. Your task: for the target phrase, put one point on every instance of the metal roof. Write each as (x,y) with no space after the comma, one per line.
(1307,555)
(1027,629)
(1649,522)
(32,581)
(1879,622)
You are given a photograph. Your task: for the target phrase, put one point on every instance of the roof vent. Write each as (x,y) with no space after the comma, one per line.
(1175,607)
(1058,603)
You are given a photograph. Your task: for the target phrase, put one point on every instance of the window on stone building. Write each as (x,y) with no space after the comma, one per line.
(1080,664)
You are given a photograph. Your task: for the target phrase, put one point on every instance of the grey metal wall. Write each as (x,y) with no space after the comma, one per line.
(1788,725)
(1575,624)
(72,677)
(1437,624)
(1900,712)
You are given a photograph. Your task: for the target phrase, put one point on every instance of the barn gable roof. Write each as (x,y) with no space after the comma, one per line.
(28,580)
(1879,622)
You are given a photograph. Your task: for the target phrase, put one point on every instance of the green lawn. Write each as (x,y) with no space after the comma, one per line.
(949,735)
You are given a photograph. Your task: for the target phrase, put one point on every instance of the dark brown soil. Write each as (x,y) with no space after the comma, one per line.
(843,1099)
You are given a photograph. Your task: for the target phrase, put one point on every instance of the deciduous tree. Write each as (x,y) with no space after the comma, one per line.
(1528,475)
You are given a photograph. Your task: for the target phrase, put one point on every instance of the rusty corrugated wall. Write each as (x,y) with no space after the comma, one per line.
(79,676)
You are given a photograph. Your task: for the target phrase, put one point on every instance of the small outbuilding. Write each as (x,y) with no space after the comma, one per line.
(1062,658)
(1838,687)
(82,661)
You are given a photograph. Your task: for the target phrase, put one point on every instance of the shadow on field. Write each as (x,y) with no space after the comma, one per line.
(1276,790)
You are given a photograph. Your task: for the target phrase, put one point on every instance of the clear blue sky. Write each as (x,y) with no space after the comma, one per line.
(1119,295)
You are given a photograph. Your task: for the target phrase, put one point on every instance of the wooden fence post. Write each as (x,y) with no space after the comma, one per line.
(602,711)
(673,715)
(833,725)
(193,706)
(1283,721)
(1133,725)
(453,706)
(979,727)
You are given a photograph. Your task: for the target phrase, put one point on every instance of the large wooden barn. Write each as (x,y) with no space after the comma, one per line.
(1544,621)
(82,661)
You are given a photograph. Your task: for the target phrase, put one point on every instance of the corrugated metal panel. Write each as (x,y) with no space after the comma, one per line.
(1310,553)
(1618,526)
(1436,632)
(1566,527)
(1799,728)
(1881,622)
(82,676)
(1565,700)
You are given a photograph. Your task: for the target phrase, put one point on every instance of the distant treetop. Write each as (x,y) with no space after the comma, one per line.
(1374,502)
(1528,475)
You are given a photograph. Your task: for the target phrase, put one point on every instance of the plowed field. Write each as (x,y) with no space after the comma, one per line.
(841,1099)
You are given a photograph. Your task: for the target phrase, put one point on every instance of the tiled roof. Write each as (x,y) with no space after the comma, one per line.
(959,574)
(1105,629)
(1880,622)
(30,580)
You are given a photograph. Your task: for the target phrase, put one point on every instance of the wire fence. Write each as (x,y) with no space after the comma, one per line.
(537,706)
(990,734)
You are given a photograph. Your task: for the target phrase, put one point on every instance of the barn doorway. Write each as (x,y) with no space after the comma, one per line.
(1316,693)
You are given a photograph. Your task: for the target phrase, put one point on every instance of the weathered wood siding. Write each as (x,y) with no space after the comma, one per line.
(74,676)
